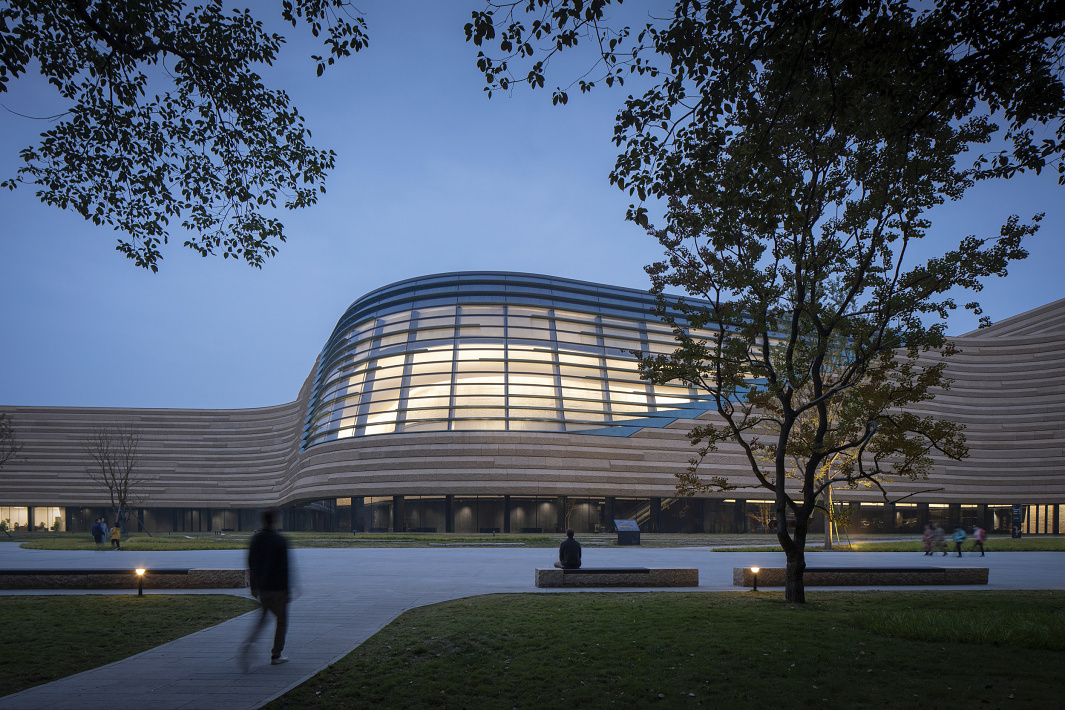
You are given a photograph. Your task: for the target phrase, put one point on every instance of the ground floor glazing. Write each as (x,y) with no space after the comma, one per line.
(532,514)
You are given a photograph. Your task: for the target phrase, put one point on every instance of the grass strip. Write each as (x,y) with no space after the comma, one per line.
(51,637)
(998,544)
(738,649)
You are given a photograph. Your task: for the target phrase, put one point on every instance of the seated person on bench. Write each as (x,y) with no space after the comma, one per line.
(569,552)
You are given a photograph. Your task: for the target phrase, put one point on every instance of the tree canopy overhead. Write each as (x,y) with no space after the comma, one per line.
(799,145)
(168,120)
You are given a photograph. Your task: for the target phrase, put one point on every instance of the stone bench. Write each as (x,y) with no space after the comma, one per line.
(616,577)
(123,579)
(864,576)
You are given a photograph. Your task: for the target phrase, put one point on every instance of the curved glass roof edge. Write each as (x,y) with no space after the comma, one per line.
(407,290)
(495,289)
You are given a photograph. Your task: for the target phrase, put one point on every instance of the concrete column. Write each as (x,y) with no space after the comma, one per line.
(506,514)
(953,515)
(358,514)
(739,513)
(656,515)
(610,514)
(449,514)
(398,524)
(923,516)
(560,525)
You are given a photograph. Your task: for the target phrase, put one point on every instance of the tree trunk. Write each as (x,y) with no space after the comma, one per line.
(794,588)
(828,518)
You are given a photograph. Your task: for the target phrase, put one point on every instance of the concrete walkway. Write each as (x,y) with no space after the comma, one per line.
(345,596)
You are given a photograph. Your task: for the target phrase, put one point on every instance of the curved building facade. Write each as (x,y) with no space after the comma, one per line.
(511,402)
(491,352)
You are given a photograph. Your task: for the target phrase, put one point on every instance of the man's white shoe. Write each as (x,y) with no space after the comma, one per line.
(278,661)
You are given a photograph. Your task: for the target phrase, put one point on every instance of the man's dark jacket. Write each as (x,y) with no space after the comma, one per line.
(268,561)
(569,553)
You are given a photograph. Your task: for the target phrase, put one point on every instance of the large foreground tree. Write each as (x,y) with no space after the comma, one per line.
(799,146)
(165,118)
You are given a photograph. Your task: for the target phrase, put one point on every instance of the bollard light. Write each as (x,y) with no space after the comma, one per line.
(754,574)
(140,581)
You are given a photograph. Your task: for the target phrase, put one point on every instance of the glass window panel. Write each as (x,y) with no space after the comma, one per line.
(545,390)
(385,428)
(429,414)
(437,312)
(537,402)
(528,320)
(424,426)
(391,340)
(623,345)
(424,402)
(477,378)
(479,413)
(627,394)
(578,359)
(581,382)
(527,353)
(577,338)
(480,349)
(572,411)
(480,388)
(580,373)
(434,334)
(479,401)
(486,318)
(526,361)
(476,331)
(618,408)
(428,380)
(482,366)
(390,405)
(561,315)
(536,425)
(434,369)
(479,425)
(432,355)
(529,333)
(518,311)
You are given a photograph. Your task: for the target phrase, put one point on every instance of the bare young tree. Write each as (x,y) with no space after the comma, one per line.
(113,450)
(9,446)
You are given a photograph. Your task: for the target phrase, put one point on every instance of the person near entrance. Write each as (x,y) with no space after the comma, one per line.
(569,552)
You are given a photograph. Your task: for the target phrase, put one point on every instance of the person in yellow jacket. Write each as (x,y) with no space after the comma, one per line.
(116,536)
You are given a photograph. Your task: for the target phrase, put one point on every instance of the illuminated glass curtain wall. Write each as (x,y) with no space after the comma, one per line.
(490,351)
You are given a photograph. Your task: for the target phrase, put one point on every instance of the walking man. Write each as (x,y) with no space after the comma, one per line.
(268,570)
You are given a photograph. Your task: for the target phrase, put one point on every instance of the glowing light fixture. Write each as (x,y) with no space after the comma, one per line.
(140,581)
(754,574)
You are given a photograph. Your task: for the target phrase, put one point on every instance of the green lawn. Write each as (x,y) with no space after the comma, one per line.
(238,540)
(742,649)
(750,542)
(50,637)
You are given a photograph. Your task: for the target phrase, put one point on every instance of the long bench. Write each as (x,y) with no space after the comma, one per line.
(616,577)
(864,576)
(123,579)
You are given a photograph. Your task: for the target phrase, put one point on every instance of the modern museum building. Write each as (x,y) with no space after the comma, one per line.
(509,402)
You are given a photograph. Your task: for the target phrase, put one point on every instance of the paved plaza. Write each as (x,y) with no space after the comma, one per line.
(345,596)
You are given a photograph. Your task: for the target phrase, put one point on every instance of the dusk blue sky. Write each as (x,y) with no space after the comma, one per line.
(431,177)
